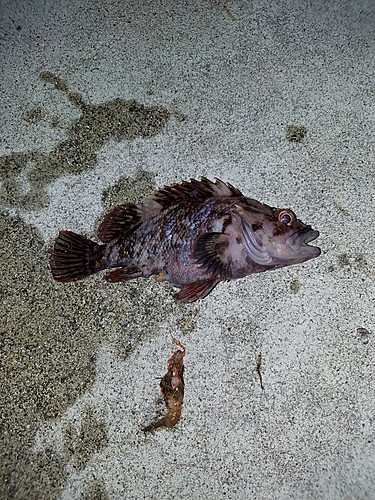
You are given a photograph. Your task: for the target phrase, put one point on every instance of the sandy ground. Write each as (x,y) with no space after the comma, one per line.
(103,102)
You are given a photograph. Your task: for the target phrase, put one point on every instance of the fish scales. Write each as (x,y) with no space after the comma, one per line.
(194,235)
(150,245)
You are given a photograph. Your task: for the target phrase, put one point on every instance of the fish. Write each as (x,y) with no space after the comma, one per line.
(193,235)
(172,387)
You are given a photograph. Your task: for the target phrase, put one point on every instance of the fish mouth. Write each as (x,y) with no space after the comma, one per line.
(300,239)
(293,250)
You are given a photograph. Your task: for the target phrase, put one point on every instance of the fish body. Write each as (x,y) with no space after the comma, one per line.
(194,235)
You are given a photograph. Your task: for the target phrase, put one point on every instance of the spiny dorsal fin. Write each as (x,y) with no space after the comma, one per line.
(118,221)
(202,189)
(125,218)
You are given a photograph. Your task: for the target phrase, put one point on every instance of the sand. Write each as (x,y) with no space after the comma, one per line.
(103,102)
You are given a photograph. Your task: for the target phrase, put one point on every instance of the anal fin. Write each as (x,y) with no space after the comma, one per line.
(123,274)
(196,290)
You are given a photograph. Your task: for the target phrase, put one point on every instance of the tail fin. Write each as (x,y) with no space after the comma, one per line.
(74,257)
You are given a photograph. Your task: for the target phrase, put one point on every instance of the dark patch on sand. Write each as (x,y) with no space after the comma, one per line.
(49,340)
(96,491)
(129,190)
(341,209)
(352,264)
(295,133)
(343,260)
(24,176)
(295,286)
(34,115)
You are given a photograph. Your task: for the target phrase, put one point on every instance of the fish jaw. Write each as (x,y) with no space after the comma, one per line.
(300,243)
(293,249)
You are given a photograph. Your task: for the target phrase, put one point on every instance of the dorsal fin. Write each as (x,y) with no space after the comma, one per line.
(202,189)
(126,217)
(118,221)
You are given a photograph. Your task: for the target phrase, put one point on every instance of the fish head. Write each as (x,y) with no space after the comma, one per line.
(275,237)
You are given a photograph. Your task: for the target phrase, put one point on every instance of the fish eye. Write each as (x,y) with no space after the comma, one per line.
(287,217)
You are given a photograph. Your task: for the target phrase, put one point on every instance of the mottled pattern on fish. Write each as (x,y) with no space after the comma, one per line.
(194,235)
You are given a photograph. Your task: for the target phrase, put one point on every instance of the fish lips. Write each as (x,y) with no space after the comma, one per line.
(299,240)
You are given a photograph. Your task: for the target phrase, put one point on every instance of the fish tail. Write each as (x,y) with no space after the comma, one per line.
(74,257)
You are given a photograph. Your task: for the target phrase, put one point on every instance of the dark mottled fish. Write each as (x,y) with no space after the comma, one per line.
(194,235)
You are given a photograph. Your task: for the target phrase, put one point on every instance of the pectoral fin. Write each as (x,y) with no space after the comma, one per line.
(211,254)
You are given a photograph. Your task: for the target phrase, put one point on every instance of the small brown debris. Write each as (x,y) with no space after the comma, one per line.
(259,365)
(230,15)
(172,387)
